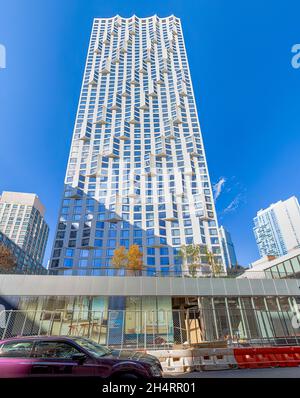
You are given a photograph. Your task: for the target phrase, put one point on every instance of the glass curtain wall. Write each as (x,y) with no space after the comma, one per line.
(151,321)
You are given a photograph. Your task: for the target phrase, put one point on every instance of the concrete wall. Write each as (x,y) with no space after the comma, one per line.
(38,285)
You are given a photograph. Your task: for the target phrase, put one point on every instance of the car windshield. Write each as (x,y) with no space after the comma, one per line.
(93,348)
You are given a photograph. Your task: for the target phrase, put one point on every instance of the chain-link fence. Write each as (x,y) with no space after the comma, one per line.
(137,329)
(120,328)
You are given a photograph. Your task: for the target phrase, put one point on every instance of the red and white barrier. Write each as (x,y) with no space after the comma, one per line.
(186,360)
(267,357)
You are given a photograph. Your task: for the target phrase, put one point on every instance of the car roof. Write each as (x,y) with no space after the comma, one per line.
(49,338)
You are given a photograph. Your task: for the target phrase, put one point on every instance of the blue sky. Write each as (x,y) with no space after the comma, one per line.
(246,89)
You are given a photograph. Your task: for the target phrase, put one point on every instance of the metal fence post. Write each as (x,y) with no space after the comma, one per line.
(145,330)
(123,325)
(24,323)
(137,328)
(167,323)
(228,316)
(100,328)
(108,327)
(61,322)
(41,321)
(153,330)
(215,318)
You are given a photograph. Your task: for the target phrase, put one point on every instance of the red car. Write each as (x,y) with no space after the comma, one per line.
(72,357)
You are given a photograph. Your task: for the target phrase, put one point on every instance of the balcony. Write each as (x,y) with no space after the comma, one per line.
(189,171)
(110,154)
(75,193)
(117,56)
(127,39)
(132,28)
(144,101)
(111,148)
(143,67)
(147,55)
(158,242)
(135,78)
(171,131)
(114,30)
(106,38)
(118,21)
(181,74)
(86,132)
(98,49)
(132,115)
(122,130)
(114,103)
(164,66)
(171,210)
(105,69)
(194,154)
(181,87)
(126,89)
(174,31)
(123,47)
(153,38)
(94,79)
(102,116)
(152,90)
(176,115)
(113,219)
(159,77)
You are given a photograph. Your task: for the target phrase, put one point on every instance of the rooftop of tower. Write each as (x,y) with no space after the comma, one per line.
(139,18)
(23,198)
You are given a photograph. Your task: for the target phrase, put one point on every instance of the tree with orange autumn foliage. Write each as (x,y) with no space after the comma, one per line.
(7,259)
(120,258)
(135,258)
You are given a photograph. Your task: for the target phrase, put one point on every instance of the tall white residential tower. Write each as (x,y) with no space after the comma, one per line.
(277,228)
(22,220)
(137,172)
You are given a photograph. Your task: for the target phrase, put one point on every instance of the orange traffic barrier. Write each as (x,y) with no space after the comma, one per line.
(267,357)
(245,357)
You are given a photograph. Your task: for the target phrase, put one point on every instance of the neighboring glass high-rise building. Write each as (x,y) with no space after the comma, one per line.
(137,172)
(277,228)
(22,221)
(228,248)
(24,263)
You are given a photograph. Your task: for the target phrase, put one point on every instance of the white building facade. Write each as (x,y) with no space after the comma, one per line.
(22,221)
(137,172)
(277,228)
(287,266)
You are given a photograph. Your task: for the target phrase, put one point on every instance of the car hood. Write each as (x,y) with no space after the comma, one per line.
(134,356)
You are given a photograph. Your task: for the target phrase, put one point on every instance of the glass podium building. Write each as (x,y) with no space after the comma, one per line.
(137,172)
(152,312)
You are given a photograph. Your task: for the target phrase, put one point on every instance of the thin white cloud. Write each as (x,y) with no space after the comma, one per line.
(218,187)
(234,204)
(234,192)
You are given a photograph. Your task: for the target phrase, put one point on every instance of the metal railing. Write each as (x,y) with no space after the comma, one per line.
(110,271)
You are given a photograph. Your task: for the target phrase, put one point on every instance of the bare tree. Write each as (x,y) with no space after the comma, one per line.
(216,267)
(191,256)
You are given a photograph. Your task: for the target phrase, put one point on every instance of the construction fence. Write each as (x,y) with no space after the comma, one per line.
(152,329)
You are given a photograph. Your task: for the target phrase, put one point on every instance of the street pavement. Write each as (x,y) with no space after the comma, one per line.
(241,373)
